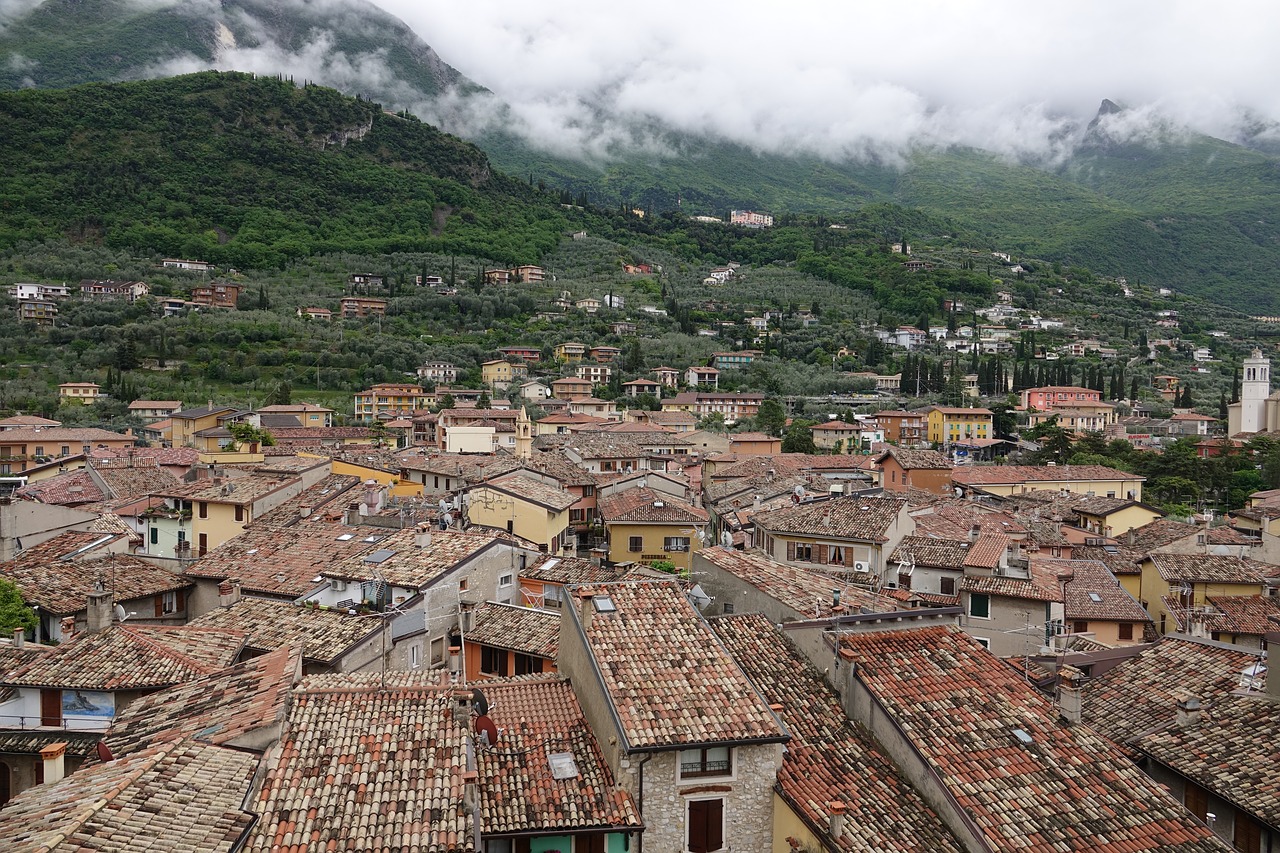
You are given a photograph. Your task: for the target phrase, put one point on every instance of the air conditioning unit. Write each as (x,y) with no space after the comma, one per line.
(338,586)
(860,566)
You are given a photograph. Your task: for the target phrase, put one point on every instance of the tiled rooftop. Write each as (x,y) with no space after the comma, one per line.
(991,475)
(571,570)
(219,709)
(74,542)
(411,566)
(1233,750)
(268,624)
(69,489)
(918,459)
(368,769)
(1092,592)
(537,718)
(179,797)
(1028,781)
(62,587)
(830,758)
(1208,568)
(521,629)
(131,657)
(1248,614)
(684,689)
(231,490)
(646,506)
(807,593)
(853,517)
(930,552)
(534,489)
(1011,587)
(1143,692)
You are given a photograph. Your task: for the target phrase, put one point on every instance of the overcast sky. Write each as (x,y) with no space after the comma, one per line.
(843,77)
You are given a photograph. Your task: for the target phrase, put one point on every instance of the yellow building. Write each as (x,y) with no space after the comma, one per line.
(648,526)
(1089,480)
(79,393)
(391,397)
(499,374)
(526,504)
(188,422)
(1113,516)
(570,351)
(947,425)
(219,509)
(1175,587)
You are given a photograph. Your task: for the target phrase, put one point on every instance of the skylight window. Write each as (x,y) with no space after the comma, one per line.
(380,556)
(1094,597)
(562,765)
(346,537)
(603,604)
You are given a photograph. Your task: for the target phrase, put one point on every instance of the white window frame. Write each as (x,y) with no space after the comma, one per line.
(724,822)
(701,777)
(415,656)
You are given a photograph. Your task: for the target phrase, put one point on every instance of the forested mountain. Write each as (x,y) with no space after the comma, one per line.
(1185,211)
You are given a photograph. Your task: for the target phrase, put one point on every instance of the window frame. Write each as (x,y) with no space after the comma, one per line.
(490,655)
(986,614)
(635,544)
(676,544)
(728,772)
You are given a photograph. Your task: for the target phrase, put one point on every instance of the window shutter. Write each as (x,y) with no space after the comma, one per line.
(823,551)
(159,600)
(791,551)
(715,824)
(182,601)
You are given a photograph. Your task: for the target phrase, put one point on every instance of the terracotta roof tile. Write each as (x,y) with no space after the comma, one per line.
(1141,693)
(218,709)
(980,475)
(534,489)
(268,624)
(572,570)
(412,566)
(182,797)
(537,718)
(62,587)
(830,758)
(368,769)
(646,506)
(807,593)
(521,629)
(854,517)
(1233,750)
(1208,568)
(667,677)
(1060,788)
(1093,593)
(131,657)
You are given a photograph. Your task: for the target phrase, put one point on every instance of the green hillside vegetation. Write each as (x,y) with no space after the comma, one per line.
(252,172)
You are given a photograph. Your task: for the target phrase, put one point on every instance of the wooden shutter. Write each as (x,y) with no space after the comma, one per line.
(159,600)
(50,711)
(1196,800)
(1248,835)
(182,601)
(791,556)
(823,552)
(706,830)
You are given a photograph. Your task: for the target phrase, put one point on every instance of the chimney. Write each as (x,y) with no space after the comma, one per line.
(1130,537)
(1070,682)
(455,663)
(974,532)
(67,627)
(19,639)
(54,758)
(228,592)
(8,521)
(585,609)
(423,537)
(467,612)
(836,818)
(99,611)
(1188,713)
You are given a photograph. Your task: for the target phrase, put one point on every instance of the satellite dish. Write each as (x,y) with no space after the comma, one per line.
(104,752)
(486,730)
(479,702)
(120,613)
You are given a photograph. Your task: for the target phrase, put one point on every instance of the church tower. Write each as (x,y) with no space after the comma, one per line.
(524,434)
(1255,387)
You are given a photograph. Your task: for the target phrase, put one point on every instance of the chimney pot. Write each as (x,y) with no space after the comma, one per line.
(99,611)
(454,659)
(836,819)
(1070,682)
(1188,712)
(54,758)
(19,639)
(228,592)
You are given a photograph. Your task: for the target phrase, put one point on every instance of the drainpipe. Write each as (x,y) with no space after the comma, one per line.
(640,805)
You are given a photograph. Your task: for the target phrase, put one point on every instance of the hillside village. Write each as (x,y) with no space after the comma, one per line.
(587,602)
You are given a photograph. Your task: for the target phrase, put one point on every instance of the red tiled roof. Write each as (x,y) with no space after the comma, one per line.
(269,624)
(132,657)
(807,593)
(983,475)
(1142,693)
(182,796)
(830,758)
(646,506)
(681,689)
(62,587)
(518,793)
(1092,593)
(1208,568)
(852,517)
(1248,614)
(521,629)
(1027,780)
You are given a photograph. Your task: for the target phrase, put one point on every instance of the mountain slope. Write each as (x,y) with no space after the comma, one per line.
(250,172)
